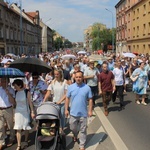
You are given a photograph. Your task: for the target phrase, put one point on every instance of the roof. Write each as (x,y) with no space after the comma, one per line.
(31,15)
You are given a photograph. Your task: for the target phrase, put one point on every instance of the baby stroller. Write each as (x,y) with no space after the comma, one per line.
(47,134)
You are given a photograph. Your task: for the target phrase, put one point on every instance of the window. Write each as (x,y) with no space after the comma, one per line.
(148,47)
(1,32)
(137,47)
(7,33)
(134,32)
(11,34)
(138,13)
(137,31)
(129,17)
(134,15)
(148,7)
(144,29)
(144,10)
(128,33)
(144,48)
(149,28)
(128,3)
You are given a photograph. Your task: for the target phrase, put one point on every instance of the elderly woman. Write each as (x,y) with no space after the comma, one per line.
(140,80)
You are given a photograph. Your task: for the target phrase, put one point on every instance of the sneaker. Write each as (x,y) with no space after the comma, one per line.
(138,102)
(144,103)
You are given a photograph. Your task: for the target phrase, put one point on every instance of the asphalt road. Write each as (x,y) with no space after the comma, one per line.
(131,124)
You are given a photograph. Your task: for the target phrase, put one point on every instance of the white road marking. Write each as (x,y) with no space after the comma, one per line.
(116,139)
(96,139)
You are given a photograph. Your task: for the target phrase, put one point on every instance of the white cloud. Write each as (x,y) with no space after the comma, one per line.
(71,17)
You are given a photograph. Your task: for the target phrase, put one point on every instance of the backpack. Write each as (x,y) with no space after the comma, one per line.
(26,92)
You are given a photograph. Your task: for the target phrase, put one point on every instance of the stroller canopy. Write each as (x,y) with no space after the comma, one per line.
(48,110)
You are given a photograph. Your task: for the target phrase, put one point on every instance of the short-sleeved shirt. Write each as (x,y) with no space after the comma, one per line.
(37,96)
(90,72)
(79,95)
(105,79)
(4,99)
(119,76)
(58,89)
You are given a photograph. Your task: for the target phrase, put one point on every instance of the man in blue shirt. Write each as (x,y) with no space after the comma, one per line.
(80,95)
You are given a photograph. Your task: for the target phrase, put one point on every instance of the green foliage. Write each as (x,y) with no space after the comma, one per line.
(67,44)
(101,36)
(58,43)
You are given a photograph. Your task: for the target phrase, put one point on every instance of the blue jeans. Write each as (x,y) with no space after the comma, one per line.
(62,115)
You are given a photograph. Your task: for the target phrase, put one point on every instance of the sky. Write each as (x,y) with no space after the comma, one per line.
(71,17)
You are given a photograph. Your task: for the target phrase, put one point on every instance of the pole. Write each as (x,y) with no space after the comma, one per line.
(112,29)
(21,33)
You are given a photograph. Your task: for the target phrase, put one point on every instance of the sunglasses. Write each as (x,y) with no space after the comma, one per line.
(35,77)
(59,66)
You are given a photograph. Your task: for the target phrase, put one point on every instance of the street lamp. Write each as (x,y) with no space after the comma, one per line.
(21,29)
(112,29)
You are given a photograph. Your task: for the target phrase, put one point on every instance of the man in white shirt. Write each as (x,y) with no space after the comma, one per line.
(91,77)
(119,83)
(7,95)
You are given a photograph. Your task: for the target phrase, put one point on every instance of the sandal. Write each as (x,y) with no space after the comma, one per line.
(18,148)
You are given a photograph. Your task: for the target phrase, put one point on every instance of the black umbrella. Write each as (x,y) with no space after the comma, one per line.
(31,65)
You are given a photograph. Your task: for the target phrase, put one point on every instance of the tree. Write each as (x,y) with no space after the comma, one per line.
(101,36)
(67,44)
(58,43)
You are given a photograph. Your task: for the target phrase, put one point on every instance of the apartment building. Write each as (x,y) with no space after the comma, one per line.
(87,36)
(138,26)
(88,39)
(121,27)
(137,21)
(20,32)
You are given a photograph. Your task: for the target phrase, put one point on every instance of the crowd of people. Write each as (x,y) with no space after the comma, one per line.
(74,85)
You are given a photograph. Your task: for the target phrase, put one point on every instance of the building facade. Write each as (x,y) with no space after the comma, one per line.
(87,36)
(121,27)
(138,26)
(137,35)
(88,39)
(19,32)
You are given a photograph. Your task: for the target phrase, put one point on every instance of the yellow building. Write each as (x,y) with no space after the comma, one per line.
(138,26)
(87,35)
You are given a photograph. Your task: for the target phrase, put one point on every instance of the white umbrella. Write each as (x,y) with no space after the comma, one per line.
(81,52)
(5,60)
(130,55)
(11,55)
(68,56)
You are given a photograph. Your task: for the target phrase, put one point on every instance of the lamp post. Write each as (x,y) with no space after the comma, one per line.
(112,29)
(21,29)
